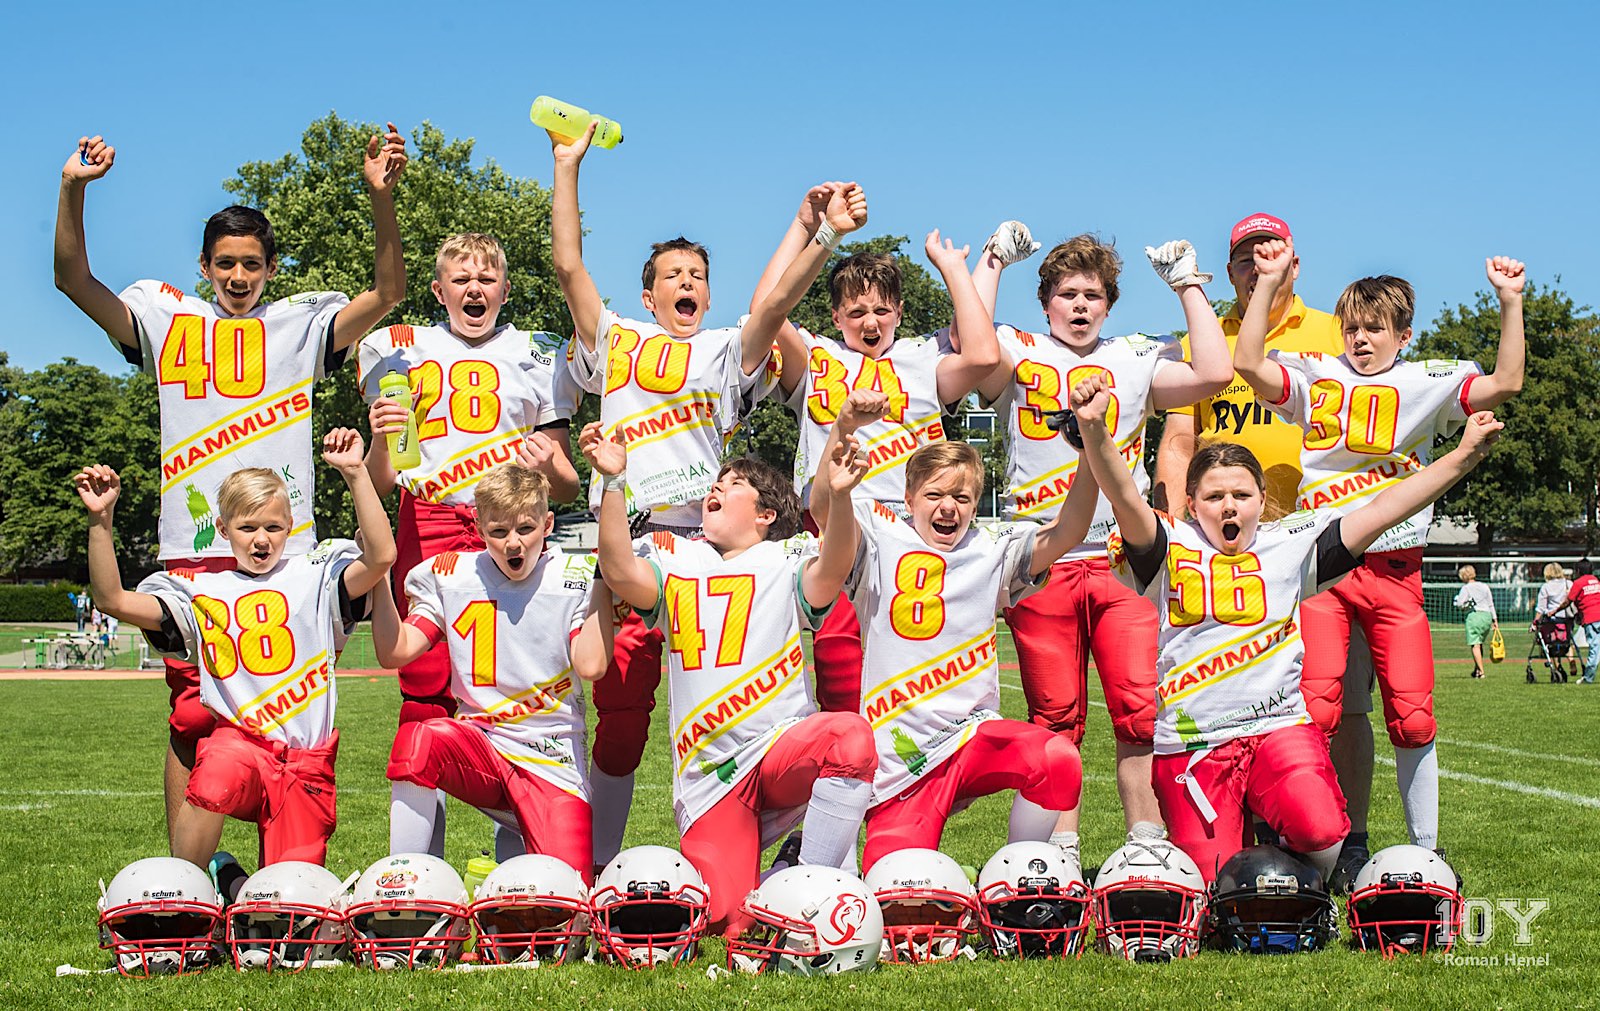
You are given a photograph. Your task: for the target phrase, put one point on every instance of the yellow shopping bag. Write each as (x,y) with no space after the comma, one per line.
(1497,645)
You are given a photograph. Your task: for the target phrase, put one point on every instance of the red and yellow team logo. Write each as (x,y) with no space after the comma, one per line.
(845,922)
(396,880)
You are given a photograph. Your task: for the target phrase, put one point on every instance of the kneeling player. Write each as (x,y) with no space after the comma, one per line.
(517,620)
(264,636)
(750,748)
(1232,729)
(927,592)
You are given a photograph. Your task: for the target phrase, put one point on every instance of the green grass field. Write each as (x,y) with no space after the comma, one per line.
(1519,810)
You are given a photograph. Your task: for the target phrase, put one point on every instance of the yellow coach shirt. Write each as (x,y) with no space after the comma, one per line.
(1234,415)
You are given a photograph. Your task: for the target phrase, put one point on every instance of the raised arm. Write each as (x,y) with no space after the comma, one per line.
(824,577)
(631,578)
(394,642)
(341,450)
(593,645)
(860,408)
(99,486)
(566,238)
(1274,259)
(385,160)
(1209,370)
(90,160)
(978,353)
(1509,277)
(1071,523)
(846,212)
(1136,521)
(1011,243)
(1360,527)
(384,418)
(794,242)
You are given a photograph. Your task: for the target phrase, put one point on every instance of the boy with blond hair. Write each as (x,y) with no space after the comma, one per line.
(521,634)
(265,636)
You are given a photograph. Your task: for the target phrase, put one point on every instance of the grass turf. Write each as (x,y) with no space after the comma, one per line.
(83,799)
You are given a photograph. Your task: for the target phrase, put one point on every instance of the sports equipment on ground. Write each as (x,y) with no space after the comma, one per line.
(409,911)
(1406,899)
(1032,902)
(161,916)
(809,921)
(1267,901)
(650,907)
(532,908)
(1149,902)
(929,905)
(288,916)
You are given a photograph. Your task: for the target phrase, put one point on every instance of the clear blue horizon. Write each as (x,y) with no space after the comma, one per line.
(1393,139)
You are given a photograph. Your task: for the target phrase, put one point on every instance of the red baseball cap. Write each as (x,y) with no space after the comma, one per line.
(1258,224)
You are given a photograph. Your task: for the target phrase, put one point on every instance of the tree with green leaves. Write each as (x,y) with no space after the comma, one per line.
(1545,467)
(319,212)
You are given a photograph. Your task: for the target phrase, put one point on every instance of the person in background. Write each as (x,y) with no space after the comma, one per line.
(1481,617)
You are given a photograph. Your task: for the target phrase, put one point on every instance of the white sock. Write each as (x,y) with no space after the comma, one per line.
(1324,860)
(1066,841)
(1417,772)
(609,798)
(1146,831)
(507,843)
(833,820)
(1029,822)
(413,818)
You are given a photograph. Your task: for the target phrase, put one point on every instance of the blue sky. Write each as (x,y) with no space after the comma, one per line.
(1400,139)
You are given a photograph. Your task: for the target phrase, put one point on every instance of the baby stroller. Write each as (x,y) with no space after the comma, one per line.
(1552,638)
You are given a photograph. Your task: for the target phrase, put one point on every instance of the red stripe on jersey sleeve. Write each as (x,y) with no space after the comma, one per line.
(426,627)
(1466,395)
(1284,397)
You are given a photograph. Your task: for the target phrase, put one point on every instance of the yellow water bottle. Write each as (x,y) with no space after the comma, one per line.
(567,120)
(404,451)
(478,869)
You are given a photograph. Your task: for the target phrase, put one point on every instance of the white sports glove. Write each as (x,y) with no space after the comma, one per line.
(1011,243)
(1175,262)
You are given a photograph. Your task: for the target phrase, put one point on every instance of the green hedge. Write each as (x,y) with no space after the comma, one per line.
(32,602)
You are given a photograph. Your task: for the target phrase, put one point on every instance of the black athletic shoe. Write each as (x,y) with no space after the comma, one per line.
(1352,857)
(788,854)
(1266,835)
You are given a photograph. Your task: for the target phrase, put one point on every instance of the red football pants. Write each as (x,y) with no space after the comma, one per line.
(288,792)
(190,720)
(1002,755)
(1285,777)
(1084,609)
(724,844)
(836,652)
(1384,594)
(423,530)
(458,758)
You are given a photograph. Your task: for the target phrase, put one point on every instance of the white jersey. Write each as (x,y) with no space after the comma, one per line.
(672,401)
(930,668)
(1366,433)
(474,403)
(1041,464)
(1229,664)
(266,644)
(908,376)
(510,645)
(736,674)
(235,392)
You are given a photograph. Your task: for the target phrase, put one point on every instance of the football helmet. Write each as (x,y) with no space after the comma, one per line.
(1266,901)
(1406,899)
(532,908)
(810,921)
(287,916)
(929,906)
(161,916)
(1033,902)
(649,906)
(1149,902)
(408,911)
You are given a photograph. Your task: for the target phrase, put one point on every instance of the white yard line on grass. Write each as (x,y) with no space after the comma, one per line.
(1017,688)
(1501,749)
(1579,799)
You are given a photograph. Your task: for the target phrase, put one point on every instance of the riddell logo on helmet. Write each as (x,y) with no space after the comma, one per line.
(849,913)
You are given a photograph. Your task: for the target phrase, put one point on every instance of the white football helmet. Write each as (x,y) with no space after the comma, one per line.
(288,916)
(650,906)
(810,921)
(408,911)
(1405,899)
(161,916)
(1149,902)
(532,908)
(929,906)
(1033,902)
